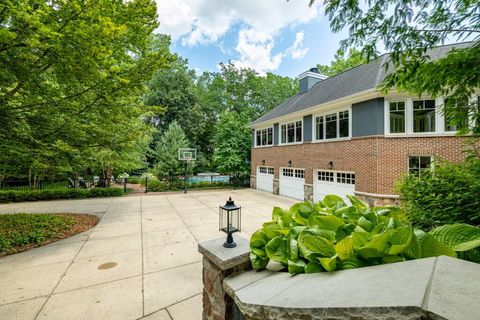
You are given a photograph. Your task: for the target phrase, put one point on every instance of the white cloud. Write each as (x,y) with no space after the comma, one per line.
(297,51)
(195,22)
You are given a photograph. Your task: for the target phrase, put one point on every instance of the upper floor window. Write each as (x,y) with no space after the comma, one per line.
(332,126)
(264,137)
(291,132)
(461,112)
(423,115)
(417,164)
(397,117)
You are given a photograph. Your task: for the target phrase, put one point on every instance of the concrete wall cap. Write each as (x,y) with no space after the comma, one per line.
(226,258)
(438,287)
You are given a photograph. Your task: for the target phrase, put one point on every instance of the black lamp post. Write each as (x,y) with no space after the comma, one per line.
(229,221)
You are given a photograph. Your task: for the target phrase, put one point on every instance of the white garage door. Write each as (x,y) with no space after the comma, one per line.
(292,183)
(265,178)
(332,182)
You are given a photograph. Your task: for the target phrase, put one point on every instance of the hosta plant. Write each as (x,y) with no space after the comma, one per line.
(333,235)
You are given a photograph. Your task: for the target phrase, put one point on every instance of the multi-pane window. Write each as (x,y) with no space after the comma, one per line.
(346,177)
(264,137)
(460,112)
(291,132)
(267,170)
(319,128)
(287,172)
(332,126)
(343,124)
(326,176)
(417,164)
(424,116)
(397,117)
(338,177)
(299,173)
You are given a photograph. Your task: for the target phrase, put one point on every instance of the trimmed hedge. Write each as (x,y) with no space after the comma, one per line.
(53,194)
(155,185)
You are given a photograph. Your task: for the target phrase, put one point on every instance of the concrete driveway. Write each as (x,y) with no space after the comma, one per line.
(139,262)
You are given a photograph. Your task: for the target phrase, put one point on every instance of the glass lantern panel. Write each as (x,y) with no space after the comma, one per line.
(223,220)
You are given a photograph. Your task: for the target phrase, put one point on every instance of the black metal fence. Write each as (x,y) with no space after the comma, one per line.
(25,184)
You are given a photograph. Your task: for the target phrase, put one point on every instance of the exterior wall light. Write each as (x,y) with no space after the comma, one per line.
(330,165)
(263,162)
(289,163)
(230,221)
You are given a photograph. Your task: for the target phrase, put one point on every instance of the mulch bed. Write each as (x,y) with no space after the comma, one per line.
(82,222)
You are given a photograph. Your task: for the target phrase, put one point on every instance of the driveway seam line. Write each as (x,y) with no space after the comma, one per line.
(143,268)
(183,221)
(68,268)
(98,284)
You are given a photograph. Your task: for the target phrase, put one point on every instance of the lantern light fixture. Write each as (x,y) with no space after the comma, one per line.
(330,165)
(230,221)
(289,163)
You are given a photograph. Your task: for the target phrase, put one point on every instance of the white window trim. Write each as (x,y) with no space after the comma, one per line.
(439,119)
(273,137)
(295,132)
(325,113)
(432,160)
(280,173)
(335,172)
(272,167)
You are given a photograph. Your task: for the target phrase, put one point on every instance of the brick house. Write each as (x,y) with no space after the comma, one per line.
(341,135)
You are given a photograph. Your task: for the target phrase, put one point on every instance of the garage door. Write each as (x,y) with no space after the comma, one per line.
(292,183)
(332,182)
(265,178)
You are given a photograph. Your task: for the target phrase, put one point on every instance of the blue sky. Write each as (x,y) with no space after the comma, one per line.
(276,36)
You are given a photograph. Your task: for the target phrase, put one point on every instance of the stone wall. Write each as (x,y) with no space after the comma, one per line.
(218,263)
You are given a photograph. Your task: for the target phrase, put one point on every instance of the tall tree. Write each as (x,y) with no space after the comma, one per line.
(69,70)
(342,62)
(168,164)
(408,29)
(232,145)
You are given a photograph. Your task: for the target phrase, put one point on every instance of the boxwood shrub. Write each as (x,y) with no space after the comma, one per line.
(155,185)
(52,194)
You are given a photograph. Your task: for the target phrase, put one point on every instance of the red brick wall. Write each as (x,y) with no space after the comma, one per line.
(377,161)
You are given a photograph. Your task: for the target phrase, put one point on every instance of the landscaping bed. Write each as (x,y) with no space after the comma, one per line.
(24,231)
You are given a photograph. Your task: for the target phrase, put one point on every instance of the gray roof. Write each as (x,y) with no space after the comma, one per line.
(361,78)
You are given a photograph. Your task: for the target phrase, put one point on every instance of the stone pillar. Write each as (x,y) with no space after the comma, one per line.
(308,192)
(218,263)
(253,182)
(276,186)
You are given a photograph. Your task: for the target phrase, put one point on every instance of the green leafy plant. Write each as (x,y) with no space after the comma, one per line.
(332,235)
(449,194)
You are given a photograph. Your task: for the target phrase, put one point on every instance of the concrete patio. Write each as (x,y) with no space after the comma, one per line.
(139,262)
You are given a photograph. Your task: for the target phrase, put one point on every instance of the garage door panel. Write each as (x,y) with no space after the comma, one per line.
(265,178)
(333,182)
(292,182)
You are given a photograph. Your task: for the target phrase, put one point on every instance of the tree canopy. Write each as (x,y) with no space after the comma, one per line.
(407,30)
(342,62)
(72,74)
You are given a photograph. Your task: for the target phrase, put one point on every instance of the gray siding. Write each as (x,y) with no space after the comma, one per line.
(306,83)
(307,128)
(368,118)
(276,134)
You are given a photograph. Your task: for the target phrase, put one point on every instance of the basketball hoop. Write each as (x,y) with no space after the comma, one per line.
(187,154)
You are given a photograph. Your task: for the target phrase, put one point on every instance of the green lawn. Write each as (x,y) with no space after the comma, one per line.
(23,231)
